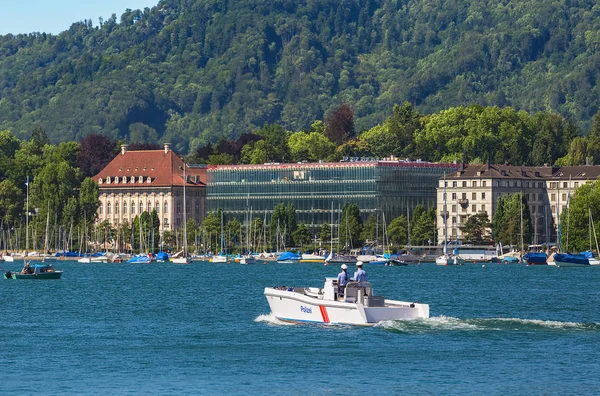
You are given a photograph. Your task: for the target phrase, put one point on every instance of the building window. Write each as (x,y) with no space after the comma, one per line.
(483,183)
(133,208)
(453,184)
(552,197)
(108,209)
(453,196)
(101,209)
(141,207)
(576,184)
(166,208)
(564,197)
(453,208)
(464,184)
(464,195)
(197,211)
(124,207)
(474,208)
(483,207)
(157,207)
(565,184)
(539,197)
(178,207)
(474,183)
(474,196)
(454,221)
(117,208)
(464,209)
(482,195)
(533,209)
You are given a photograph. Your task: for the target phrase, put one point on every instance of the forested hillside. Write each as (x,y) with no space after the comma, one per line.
(198,71)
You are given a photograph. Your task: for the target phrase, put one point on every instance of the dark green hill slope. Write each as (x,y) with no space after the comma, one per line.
(192,71)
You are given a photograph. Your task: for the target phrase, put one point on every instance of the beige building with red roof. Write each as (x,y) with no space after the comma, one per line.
(138,181)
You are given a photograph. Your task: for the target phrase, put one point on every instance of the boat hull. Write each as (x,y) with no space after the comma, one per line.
(44,275)
(219,259)
(571,260)
(293,306)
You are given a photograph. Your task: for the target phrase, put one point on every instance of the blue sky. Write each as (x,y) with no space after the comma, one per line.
(55,16)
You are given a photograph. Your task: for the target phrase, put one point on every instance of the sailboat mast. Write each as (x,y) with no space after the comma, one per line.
(445,219)
(522,244)
(594,231)
(27,219)
(184,216)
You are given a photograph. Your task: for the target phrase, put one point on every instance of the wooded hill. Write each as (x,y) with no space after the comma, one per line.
(197,71)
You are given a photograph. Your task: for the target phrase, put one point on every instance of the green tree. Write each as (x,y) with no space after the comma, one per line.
(325,233)
(369,231)
(88,199)
(575,222)
(211,226)
(11,201)
(476,228)
(506,222)
(397,231)
(422,226)
(302,236)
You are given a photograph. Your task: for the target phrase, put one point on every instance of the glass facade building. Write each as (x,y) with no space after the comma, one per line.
(319,190)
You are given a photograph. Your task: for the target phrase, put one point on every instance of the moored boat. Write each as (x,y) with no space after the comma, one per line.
(358,306)
(571,260)
(140,259)
(312,258)
(536,258)
(340,259)
(220,259)
(446,259)
(289,258)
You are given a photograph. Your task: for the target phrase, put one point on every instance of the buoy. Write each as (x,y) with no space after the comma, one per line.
(483,266)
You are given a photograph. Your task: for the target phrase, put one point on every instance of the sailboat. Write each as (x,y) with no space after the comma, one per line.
(445,258)
(247,258)
(38,271)
(221,258)
(568,259)
(590,255)
(184,259)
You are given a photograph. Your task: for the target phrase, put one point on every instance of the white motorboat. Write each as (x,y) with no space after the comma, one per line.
(359,306)
(446,259)
(181,260)
(8,259)
(219,259)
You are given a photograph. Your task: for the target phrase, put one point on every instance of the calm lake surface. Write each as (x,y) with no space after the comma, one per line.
(207,329)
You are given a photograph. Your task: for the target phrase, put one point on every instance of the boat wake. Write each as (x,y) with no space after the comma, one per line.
(272,320)
(446,323)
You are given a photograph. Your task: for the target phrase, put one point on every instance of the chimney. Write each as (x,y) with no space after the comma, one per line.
(167,148)
(124,148)
(587,161)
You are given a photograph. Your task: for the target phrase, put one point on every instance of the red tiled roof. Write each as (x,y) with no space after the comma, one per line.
(163,169)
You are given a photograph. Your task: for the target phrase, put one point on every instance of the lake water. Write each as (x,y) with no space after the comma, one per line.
(207,329)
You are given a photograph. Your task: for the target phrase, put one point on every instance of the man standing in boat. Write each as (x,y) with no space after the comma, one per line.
(342,280)
(360,275)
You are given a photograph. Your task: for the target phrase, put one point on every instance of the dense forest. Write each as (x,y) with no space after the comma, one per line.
(193,72)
